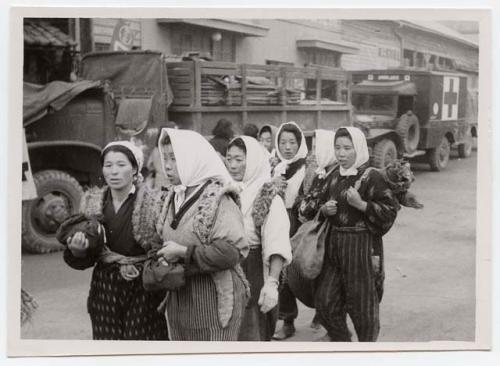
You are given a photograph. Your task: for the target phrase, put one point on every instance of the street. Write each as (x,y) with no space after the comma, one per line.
(429,260)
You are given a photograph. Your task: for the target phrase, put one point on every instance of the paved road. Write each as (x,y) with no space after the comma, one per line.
(430,271)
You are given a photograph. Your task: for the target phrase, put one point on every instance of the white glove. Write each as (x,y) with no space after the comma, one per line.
(268,298)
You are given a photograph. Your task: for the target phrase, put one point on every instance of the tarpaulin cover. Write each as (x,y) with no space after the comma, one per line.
(136,70)
(39,99)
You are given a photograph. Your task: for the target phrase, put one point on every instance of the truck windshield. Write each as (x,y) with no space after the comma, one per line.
(374,103)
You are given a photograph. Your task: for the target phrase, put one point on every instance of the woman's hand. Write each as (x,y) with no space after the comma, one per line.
(78,244)
(355,200)
(172,251)
(268,298)
(329,208)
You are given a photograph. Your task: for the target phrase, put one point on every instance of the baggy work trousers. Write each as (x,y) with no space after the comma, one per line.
(347,285)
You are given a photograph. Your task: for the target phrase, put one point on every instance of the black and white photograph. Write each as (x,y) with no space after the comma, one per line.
(304,179)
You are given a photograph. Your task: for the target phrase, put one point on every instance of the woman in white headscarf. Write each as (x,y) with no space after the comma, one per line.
(116,230)
(360,208)
(266,226)
(202,228)
(292,152)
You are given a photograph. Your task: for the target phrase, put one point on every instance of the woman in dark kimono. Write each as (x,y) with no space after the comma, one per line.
(360,208)
(119,307)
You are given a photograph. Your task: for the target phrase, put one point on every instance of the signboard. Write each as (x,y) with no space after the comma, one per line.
(123,36)
(449,110)
(28,184)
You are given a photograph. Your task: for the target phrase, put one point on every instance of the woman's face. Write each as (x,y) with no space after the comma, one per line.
(170,164)
(266,140)
(344,152)
(288,145)
(236,163)
(118,171)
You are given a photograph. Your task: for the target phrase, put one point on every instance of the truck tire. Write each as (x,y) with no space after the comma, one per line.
(408,129)
(465,149)
(384,152)
(439,156)
(59,196)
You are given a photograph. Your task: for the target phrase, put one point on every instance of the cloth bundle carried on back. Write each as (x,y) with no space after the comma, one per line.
(90,226)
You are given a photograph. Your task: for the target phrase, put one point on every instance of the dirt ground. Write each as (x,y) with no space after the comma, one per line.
(430,271)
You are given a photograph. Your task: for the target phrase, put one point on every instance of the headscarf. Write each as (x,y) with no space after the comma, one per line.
(257,172)
(197,161)
(361,148)
(283,165)
(324,150)
(135,151)
(274,132)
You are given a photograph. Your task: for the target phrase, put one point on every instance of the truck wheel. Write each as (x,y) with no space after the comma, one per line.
(465,149)
(409,131)
(384,152)
(59,196)
(439,156)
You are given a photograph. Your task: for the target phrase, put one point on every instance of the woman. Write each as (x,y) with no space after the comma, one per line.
(360,208)
(317,179)
(119,307)
(267,138)
(292,153)
(266,228)
(202,228)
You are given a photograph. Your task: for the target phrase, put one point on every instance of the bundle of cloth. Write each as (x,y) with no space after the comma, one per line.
(89,225)
(399,177)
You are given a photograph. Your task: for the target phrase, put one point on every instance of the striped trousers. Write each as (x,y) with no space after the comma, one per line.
(347,285)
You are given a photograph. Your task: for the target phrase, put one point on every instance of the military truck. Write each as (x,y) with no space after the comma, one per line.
(122,95)
(413,114)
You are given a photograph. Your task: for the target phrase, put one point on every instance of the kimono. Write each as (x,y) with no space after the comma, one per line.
(118,305)
(209,223)
(347,283)
(266,228)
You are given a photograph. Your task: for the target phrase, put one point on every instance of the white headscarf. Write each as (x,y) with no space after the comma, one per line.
(301,153)
(197,161)
(257,172)
(324,150)
(136,152)
(361,148)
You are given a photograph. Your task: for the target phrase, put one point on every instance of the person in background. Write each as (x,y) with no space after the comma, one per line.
(202,229)
(361,208)
(292,152)
(266,227)
(250,130)
(222,134)
(321,164)
(267,138)
(118,305)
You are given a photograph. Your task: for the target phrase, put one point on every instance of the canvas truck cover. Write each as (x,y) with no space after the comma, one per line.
(140,72)
(39,99)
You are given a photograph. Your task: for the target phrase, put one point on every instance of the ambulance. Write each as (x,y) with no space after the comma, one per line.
(413,114)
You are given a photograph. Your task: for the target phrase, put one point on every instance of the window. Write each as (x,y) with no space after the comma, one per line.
(323,58)
(409,58)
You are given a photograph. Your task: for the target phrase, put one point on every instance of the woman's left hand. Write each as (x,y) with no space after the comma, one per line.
(172,251)
(354,199)
(268,298)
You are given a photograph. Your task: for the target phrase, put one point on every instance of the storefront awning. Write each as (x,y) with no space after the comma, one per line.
(42,34)
(230,25)
(336,46)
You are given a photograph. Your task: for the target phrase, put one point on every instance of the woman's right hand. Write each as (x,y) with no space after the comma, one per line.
(78,244)
(329,208)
